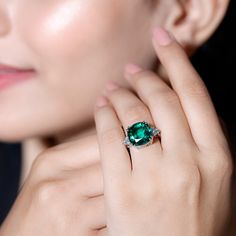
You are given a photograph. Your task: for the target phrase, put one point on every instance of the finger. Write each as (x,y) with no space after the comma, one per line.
(115,160)
(94,212)
(130,110)
(72,155)
(164,105)
(89,181)
(193,94)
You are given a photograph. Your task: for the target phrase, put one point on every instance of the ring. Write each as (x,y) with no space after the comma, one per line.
(140,135)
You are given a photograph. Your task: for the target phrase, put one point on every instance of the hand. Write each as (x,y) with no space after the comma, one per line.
(180,185)
(59,197)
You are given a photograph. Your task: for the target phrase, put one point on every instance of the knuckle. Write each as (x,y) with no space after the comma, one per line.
(45,192)
(221,166)
(112,135)
(186,178)
(134,113)
(227,167)
(43,161)
(56,197)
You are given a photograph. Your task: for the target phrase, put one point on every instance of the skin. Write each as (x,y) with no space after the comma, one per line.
(63,53)
(183,178)
(66,51)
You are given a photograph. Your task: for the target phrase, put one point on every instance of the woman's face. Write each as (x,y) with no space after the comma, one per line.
(75,46)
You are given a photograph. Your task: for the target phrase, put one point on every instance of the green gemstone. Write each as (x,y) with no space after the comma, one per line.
(139,134)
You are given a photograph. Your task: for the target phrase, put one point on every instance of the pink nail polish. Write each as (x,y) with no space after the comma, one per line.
(111,86)
(102,101)
(131,69)
(162,36)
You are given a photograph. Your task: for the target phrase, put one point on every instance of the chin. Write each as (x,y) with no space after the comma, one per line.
(15,134)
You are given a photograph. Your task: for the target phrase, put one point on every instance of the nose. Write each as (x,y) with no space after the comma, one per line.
(4,22)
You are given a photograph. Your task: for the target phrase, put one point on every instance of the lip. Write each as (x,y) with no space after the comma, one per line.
(11,75)
(5,66)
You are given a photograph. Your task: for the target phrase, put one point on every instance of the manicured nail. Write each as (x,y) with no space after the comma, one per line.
(162,36)
(111,85)
(131,69)
(102,101)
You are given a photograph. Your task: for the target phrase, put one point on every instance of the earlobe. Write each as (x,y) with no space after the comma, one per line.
(194,21)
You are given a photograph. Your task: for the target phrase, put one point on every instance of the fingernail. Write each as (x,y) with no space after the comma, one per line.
(111,86)
(101,101)
(131,69)
(162,36)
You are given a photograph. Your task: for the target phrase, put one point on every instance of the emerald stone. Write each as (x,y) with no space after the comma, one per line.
(140,134)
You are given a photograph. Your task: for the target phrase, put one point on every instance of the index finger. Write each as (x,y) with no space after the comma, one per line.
(72,155)
(193,94)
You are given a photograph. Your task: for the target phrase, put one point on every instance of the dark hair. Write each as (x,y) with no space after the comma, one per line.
(214,62)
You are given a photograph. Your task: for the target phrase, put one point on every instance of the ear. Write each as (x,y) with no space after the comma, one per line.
(194,21)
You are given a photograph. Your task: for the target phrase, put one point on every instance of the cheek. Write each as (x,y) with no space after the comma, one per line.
(67,27)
